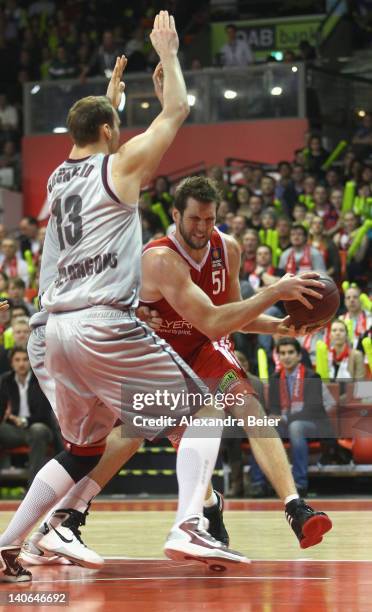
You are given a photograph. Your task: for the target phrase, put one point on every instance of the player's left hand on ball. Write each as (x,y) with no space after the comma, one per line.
(286,328)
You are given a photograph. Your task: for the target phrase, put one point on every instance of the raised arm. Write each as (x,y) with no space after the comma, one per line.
(165,274)
(138,159)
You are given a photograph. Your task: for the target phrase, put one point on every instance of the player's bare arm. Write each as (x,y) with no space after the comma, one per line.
(166,275)
(137,160)
(264,324)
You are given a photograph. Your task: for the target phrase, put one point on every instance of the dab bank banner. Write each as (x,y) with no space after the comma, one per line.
(267,35)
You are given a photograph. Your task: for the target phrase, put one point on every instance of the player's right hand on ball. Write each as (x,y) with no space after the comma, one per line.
(164,37)
(297,287)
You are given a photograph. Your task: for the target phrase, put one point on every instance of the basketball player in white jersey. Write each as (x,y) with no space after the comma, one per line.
(97,351)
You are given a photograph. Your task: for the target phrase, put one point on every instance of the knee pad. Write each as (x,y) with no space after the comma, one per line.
(78,461)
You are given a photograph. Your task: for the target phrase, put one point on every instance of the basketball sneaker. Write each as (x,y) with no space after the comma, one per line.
(214,514)
(308,524)
(11,570)
(190,540)
(31,554)
(64,539)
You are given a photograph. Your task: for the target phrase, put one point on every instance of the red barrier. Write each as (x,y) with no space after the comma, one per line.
(264,140)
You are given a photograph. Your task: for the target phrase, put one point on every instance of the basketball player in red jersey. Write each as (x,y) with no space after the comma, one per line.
(184,277)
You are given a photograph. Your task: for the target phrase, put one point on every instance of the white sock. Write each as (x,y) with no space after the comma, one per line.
(196,459)
(49,485)
(211,501)
(77,498)
(290,498)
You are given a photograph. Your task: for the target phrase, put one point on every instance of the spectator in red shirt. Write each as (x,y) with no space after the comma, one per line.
(264,274)
(301,257)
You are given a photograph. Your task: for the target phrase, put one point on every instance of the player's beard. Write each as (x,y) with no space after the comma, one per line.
(187,238)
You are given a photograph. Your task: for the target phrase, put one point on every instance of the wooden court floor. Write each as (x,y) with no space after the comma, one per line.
(335,576)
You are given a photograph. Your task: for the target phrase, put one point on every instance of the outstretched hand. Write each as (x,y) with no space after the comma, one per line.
(116,86)
(164,37)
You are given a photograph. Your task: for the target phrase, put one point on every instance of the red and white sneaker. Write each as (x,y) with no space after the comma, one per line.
(10,568)
(190,540)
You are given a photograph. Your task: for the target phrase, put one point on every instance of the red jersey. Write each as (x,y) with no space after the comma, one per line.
(211,275)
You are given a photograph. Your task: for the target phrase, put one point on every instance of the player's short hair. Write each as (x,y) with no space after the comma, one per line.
(200,188)
(289,341)
(86,116)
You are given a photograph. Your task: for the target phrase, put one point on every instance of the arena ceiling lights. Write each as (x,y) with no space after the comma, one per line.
(276,91)
(191,99)
(230,94)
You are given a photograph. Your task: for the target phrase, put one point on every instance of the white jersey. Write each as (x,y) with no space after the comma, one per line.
(98,239)
(48,272)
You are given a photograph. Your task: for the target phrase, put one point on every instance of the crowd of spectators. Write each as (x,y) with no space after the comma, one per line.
(58,39)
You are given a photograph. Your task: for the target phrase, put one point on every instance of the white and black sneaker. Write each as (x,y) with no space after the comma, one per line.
(31,554)
(11,570)
(190,540)
(64,539)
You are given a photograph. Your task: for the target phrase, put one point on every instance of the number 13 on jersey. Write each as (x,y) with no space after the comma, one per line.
(73,231)
(219,281)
